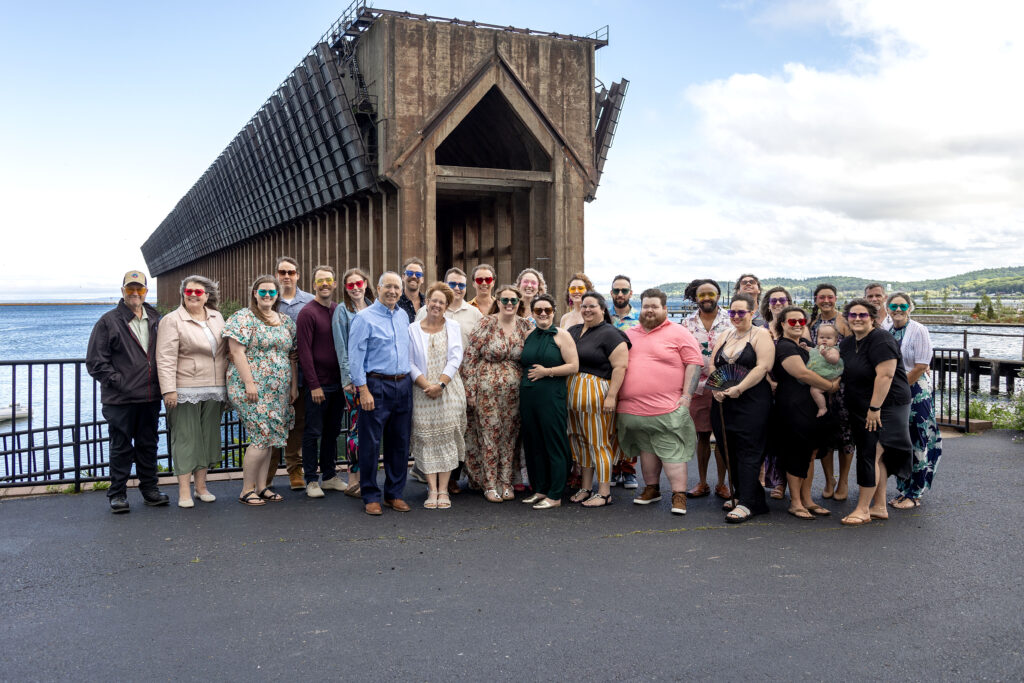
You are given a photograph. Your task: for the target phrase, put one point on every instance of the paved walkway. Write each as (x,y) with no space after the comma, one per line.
(315,588)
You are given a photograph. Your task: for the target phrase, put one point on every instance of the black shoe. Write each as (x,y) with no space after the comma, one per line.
(154,498)
(119,504)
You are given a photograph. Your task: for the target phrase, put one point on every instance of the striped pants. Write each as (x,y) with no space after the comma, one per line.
(592,436)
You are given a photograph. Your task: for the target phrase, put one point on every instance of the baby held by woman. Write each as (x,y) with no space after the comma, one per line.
(825,361)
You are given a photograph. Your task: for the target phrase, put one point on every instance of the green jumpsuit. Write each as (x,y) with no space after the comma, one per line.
(542,405)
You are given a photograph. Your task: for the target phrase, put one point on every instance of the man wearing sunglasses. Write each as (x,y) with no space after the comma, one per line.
(291,301)
(623,318)
(412,298)
(325,401)
(122,357)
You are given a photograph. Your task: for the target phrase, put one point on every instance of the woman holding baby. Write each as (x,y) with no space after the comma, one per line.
(795,428)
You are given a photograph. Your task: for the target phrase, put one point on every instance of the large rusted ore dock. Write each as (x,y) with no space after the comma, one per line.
(405,135)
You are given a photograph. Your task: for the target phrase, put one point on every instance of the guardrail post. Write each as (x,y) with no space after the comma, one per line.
(77,437)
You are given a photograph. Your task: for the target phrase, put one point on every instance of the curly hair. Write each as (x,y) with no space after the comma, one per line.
(766,310)
(691,289)
(586,283)
(212,290)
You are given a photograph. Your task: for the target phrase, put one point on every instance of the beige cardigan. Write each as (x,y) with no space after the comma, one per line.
(183,357)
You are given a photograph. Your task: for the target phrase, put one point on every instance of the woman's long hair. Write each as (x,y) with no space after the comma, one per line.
(254,306)
(497,295)
(366,280)
(766,311)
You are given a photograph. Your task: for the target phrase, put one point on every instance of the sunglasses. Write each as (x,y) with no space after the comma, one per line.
(483,280)
(413,273)
(781,301)
(899,307)
(194,292)
(621,291)
(320,281)
(546,310)
(282,271)
(267,292)
(509,300)
(748,282)
(858,316)
(141,291)
(577,290)
(358,284)
(793,323)
(738,314)
(457,285)
(706,295)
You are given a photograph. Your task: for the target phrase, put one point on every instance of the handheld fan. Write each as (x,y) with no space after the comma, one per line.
(726,376)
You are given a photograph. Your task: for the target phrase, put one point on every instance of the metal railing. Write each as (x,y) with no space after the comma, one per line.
(951,395)
(63,440)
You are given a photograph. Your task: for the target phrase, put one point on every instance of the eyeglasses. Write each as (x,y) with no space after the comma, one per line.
(141,291)
(620,291)
(781,301)
(793,323)
(546,310)
(858,316)
(899,307)
(194,292)
(282,271)
(509,300)
(457,285)
(267,292)
(358,284)
(577,290)
(320,281)
(483,280)
(748,281)
(413,273)
(706,295)
(738,314)
(589,307)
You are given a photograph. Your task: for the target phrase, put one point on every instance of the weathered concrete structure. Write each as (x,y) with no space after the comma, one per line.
(398,136)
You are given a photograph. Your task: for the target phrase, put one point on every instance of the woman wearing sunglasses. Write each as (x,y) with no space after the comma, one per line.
(795,424)
(916,348)
(740,417)
(262,382)
(877,397)
(357,295)
(578,285)
(775,299)
(191,362)
(492,375)
(549,356)
(483,280)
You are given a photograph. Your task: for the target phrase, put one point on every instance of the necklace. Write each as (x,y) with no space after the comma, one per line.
(732,358)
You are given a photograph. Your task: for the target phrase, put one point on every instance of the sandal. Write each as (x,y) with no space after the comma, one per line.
(354,490)
(605,501)
(535,498)
(252,499)
(431,502)
(729,504)
(904,503)
(268,495)
(818,510)
(443,501)
(547,504)
(580,496)
(802,513)
(507,493)
(739,514)
(779,492)
(853,520)
(492,496)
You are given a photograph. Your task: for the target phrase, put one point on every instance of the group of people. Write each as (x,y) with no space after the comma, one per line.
(493,389)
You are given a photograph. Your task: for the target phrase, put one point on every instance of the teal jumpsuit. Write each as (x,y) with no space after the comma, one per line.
(542,406)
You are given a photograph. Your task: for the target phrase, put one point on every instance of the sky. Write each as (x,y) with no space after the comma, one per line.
(789,138)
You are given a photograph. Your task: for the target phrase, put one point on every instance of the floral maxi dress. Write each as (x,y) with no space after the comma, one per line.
(267,348)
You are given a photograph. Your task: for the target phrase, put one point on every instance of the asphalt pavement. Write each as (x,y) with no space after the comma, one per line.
(317,589)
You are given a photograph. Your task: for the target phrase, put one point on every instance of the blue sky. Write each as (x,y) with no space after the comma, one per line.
(788,138)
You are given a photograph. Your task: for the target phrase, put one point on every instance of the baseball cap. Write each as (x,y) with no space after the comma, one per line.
(134,277)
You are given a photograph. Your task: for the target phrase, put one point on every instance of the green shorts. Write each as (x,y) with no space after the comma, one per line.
(671,436)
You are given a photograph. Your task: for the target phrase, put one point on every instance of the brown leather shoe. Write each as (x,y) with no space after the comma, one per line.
(297,481)
(722,491)
(678,503)
(373,509)
(650,494)
(699,491)
(397,504)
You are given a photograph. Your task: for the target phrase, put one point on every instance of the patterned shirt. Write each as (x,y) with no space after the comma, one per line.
(625,322)
(706,338)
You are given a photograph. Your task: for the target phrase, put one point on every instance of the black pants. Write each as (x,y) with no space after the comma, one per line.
(132,428)
(323,424)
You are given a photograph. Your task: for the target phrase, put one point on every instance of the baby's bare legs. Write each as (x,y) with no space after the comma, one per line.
(819,400)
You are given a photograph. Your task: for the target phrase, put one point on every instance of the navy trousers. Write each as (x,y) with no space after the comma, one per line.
(320,434)
(133,439)
(389,423)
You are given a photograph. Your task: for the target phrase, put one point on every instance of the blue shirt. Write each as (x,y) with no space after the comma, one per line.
(378,341)
(291,309)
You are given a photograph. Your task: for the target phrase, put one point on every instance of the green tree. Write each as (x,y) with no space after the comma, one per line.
(999,304)
(926,299)
(990,313)
(977,308)
(945,297)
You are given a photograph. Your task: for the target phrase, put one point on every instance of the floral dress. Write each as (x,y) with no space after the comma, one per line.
(492,374)
(267,348)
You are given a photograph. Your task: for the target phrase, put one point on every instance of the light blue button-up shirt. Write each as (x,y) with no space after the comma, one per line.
(378,341)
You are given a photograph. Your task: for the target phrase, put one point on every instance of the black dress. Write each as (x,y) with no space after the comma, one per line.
(795,430)
(740,426)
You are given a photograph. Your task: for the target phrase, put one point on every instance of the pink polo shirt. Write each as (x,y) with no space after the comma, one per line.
(657,367)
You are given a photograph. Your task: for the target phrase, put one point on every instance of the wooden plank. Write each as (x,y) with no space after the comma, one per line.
(494,173)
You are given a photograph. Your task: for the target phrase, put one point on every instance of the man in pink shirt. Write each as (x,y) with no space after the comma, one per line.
(654,420)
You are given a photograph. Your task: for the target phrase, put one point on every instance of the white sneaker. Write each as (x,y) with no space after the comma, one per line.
(313,490)
(333,484)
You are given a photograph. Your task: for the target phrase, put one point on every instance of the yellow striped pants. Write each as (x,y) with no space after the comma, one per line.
(592,436)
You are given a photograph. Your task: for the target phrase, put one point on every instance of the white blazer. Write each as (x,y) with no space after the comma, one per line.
(418,340)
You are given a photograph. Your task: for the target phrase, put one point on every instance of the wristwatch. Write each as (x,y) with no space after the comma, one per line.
(443,385)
